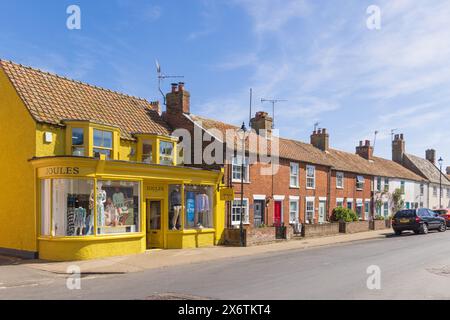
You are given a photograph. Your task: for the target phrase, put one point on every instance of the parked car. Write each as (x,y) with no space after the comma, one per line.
(418,220)
(444,213)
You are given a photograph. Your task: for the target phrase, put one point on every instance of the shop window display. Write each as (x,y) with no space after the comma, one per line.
(175,207)
(45,207)
(198,201)
(73,214)
(117,207)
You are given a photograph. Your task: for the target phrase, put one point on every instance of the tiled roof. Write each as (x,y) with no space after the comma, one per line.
(427,169)
(338,160)
(52,99)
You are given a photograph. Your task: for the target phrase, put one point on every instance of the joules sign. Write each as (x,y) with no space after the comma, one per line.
(62,171)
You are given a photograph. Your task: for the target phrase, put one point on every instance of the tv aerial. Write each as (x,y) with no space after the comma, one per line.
(162,77)
(273,102)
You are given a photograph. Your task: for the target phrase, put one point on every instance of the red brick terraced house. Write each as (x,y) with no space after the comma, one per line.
(312,179)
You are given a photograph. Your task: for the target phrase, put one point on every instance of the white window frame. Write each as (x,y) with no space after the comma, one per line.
(367,205)
(313,201)
(360,181)
(236,163)
(296,212)
(246,212)
(294,175)
(340,177)
(309,178)
(341,201)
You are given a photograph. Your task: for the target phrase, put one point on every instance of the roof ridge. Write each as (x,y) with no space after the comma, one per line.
(76,81)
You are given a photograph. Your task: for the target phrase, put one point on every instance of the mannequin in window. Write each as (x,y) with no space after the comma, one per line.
(175,201)
(202,205)
(101,199)
(79,218)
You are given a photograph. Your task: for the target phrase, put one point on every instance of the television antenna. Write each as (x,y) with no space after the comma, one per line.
(316,126)
(162,77)
(392,134)
(273,102)
(375,140)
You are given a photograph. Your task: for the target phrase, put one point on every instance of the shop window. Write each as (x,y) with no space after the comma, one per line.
(199,201)
(78,142)
(236,212)
(175,207)
(103,143)
(147,152)
(73,213)
(166,153)
(45,207)
(118,209)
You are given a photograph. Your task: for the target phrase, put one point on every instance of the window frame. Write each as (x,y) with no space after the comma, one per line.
(310,178)
(103,148)
(246,212)
(297,218)
(295,176)
(239,166)
(360,182)
(340,176)
(81,146)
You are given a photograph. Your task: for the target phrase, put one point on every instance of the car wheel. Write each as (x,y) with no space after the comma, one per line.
(398,232)
(424,229)
(443,227)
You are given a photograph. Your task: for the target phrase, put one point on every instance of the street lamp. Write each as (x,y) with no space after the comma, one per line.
(242,134)
(440,161)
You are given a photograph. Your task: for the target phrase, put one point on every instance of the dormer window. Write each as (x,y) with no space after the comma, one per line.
(78,142)
(147,152)
(103,143)
(166,153)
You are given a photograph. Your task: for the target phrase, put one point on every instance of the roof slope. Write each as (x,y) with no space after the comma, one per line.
(427,169)
(52,99)
(339,160)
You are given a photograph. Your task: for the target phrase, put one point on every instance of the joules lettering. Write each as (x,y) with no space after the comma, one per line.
(63,171)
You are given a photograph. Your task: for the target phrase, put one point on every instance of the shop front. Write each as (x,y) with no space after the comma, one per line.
(91,208)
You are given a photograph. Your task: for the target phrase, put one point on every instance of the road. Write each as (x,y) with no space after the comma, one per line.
(412,267)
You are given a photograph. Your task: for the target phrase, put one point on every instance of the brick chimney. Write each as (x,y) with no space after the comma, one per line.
(430,155)
(178,100)
(321,139)
(398,148)
(262,121)
(365,150)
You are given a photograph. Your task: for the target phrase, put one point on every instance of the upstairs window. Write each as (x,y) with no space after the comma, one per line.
(360,182)
(166,153)
(310,177)
(422,190)
(379,184)
(78,142)
(294,175)
(237,171)
(386,184)
(402,187)
(147,152)
(103,143)
(340,180)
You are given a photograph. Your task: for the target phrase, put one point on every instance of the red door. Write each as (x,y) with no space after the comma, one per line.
(277,214)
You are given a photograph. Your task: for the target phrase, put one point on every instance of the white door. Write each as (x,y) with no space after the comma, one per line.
(322,208)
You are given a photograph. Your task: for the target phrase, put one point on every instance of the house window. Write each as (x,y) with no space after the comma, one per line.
(310,177)
(386,209)
(350,205)
(379,184)
(422,190)
(340,180)
(448,193)
(293,211)
(386,184)
(359,209)
(166,153)
(237,171)
(359,182)
(367,209)
(309,211)
(103,143)
(236,212)
(147,152)
(407,205)
(435,191)
(339,203)
(78,142)
(294,175)
(402,187)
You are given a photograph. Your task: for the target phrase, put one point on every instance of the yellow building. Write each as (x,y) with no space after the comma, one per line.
(89,173)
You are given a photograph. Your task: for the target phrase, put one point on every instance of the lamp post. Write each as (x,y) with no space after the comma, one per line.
(242,134)
(441,161)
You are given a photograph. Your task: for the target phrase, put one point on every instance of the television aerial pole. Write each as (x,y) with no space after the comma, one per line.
(273,102)
(162,77)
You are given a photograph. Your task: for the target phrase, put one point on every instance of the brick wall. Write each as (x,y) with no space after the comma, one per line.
(320,230)
(354,227)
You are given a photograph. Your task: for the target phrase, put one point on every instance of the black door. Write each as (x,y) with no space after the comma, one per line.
(258,213)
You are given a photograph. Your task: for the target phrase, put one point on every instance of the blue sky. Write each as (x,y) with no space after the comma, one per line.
(319,55)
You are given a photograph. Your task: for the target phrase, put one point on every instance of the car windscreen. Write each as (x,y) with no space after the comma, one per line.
(405,214)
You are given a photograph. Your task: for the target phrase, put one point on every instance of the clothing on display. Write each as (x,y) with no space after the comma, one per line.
(79,220)
(202,208)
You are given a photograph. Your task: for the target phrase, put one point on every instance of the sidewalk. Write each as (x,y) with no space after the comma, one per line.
(153,259)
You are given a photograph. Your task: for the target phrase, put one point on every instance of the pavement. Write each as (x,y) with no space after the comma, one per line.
(155,259)
(409,267)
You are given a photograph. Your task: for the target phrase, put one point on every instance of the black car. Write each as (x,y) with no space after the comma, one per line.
(418,220)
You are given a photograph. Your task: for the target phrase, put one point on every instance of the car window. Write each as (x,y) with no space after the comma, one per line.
(431,213)
(405,214)
(423,213)
(441,211)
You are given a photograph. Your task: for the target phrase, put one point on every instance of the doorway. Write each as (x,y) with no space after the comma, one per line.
(155,238)
(258,219)
(322,209)
(277,215)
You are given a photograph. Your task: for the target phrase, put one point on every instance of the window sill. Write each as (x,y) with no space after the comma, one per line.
(294,187)
(239,181)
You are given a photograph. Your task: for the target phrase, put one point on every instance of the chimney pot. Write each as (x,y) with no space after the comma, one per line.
(360,143)
(367,143)
(174,87)
(181,86)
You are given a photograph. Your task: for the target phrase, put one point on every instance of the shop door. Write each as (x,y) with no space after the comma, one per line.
(154,224)
(322,209)
(258,213)
(277,214)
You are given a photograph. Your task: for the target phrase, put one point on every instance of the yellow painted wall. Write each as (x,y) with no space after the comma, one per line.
(56,147)
(17,188)
(125,150)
